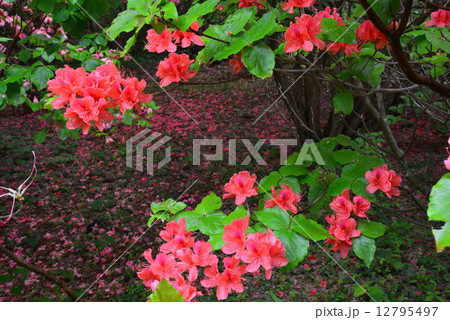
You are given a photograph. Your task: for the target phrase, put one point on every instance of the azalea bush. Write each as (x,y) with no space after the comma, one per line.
(290,205)
(364,60)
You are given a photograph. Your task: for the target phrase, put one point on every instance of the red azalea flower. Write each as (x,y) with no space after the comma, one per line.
(286,200)
(342,205)
(237,63)
(360,206)
(367,32)
(83,111)
(440,19)
(383,179)
(291,4)
(160,42)
(234,237)
(226,282)
(241,186)
(348,49)
(174,68)
(327,14)
(303,34)
(186,38)
(342,247)
(343,230)
(249,3)
(176,236)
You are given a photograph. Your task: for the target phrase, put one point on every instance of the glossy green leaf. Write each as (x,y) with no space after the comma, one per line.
(124,22)
(40,77)
(259,60)
(40,136)
(266,25)
(269,181)
(194,12)
(364,249)
(212,223)
(293,170)
(343,102)
(209,204)
(296,247)
(371,229)
(309,228)
(385,9)
(439,210)
(274,218)
(339,185)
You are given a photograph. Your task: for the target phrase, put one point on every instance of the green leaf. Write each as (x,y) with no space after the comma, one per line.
(343,102)
(335,33)
(124,22)
(169,205)
(267,182)
(385,9)
(265,26)
(439,210)
(40,77)
(259,60)
(209,204)
(216,241)
(377,293)
(345,156)
(346,141)
(364,249)
(359,188)
(238,213)
(165,292)
(24,55)
(212,223)
(372,229)
(170,10)
(191,218)
(359,291)
(274,218)
(40,136)
(44,5)
(194,12)
(309,228)
(291,182)
(296,247)
(235,46)
(293,170)
(339,185)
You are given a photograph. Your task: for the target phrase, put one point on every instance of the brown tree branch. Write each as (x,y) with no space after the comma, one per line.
(393,37)
(40,271)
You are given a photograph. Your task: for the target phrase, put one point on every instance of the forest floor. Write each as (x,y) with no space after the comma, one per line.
(86,207)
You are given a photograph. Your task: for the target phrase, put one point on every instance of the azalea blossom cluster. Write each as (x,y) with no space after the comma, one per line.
(242,186)
(384,179)
(342,227)
(440,19)
(303,33)
(182,254)
(88,96)
(176,67)
(164,41)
